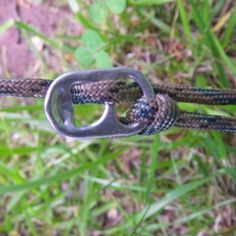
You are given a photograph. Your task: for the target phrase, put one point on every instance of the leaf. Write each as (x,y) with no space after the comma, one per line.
(116,6)
(92,44)
(84,56)
(92,40)
(98,13)
(103,60)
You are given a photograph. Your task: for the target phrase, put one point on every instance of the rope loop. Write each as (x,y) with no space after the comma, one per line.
(158,114)
(155,114)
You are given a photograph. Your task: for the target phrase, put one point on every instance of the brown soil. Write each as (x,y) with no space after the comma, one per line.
(16,56)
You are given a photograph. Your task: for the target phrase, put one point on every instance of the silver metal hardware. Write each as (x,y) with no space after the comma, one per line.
(59,106)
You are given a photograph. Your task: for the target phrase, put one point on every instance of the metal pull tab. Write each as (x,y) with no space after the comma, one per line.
(59,106)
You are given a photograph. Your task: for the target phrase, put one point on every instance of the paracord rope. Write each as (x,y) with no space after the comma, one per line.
(158,114)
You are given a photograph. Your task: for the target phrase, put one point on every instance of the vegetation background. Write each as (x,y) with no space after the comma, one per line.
(179,182)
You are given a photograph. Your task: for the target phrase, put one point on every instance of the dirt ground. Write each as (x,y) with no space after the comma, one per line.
(17,58)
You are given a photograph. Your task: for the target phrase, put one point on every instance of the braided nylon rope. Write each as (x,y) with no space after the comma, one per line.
(158,114)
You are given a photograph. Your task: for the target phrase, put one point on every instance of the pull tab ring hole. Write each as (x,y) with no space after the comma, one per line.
(85,114)
(123,92)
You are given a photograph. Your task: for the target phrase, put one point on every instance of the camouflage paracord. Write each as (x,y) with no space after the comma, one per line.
(158,114)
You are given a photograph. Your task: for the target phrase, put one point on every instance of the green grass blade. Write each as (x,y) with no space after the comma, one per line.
(52,42)
(229,30)
(58,177)
(6,150)
(155,21)
(189,218)
(184,18)
(149,2)
(89,25)
(214,45)
(153,165)
(170,197)
(6,25)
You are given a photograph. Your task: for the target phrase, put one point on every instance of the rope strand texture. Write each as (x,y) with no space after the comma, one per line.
(158,114)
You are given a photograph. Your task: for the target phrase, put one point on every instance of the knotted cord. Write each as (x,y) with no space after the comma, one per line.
(157,114)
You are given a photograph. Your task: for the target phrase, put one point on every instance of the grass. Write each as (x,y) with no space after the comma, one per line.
(179,182)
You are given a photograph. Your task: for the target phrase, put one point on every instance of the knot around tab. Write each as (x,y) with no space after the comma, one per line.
(158,114)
